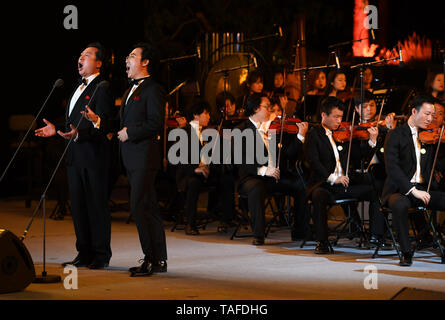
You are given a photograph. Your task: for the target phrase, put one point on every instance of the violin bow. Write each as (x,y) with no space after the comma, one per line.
(435,159)
(282,126)
(380,112)
(354,84)
(350,144)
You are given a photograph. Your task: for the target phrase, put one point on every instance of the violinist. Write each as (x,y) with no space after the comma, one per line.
(226,104)
(254,84)
(409,165)
(434,84)
(278,84)
(336,84)
(367,79)
(368,117)
(317,82)
(191,177)
(257,179)
(329,180)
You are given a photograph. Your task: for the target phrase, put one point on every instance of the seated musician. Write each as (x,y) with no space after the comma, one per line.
(278,84)
(254,84)
(434,84)
(336,83)
(228,109)
(369,115)
(328,180)
(257,179)
(409,165)
(317,82)
(191,177)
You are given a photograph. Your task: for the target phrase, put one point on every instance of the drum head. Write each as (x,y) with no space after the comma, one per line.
(214,82)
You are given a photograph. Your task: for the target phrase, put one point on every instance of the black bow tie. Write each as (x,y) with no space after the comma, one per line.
(135,82)
(83,81)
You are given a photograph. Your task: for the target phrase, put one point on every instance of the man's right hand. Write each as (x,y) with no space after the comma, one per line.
(204,170)
(344,180)
(48,131)
(421,195)
(273,172)
(90,115)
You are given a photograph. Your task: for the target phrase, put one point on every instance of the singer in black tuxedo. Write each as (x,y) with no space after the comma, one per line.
(405,186)
(87,160)
(328,180)
(139,129)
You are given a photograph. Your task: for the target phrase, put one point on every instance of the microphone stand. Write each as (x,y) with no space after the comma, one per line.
(45,278)
(174,59)
(345,43)
(305,70)
(57,84)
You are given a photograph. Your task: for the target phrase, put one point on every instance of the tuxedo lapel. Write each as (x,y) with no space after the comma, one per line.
(409,138)
(325,141)
(83,100)
(127,104)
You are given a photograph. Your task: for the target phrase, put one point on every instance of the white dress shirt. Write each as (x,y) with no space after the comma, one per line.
(79,91)
(338,172)
(417,177)
(262,130)
(133,89)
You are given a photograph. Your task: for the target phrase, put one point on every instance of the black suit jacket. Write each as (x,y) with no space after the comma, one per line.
(186,170)
(143,115)
(91,149)
(320,157)
(249,163)
(400,161)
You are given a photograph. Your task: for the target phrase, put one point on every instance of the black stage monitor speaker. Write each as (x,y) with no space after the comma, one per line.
(418,294)
(16,266)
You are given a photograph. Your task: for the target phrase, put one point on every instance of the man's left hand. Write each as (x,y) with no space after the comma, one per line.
(70,134)
(122,135)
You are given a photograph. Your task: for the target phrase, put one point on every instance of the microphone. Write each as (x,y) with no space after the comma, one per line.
(255,62)
(337,61)
(401,63)
(198,51)
(372,34)
(58,83)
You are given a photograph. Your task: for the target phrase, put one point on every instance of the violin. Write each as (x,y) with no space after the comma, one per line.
(289,126)
(359,132)
(431,135)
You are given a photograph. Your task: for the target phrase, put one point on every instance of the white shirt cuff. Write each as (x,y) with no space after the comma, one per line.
(97,123)
(410,190)
(300,137)
(331,179)
(262,171)
(372,144)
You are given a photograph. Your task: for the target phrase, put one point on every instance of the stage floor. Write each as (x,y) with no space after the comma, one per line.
(213,267)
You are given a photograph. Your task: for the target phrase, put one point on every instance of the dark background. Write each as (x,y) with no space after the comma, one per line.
(37,49)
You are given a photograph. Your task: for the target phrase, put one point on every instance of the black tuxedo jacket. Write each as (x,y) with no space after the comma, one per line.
(91,149)
(400,161)
(320,157)
(143,115)
(185,170)
(249,163)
